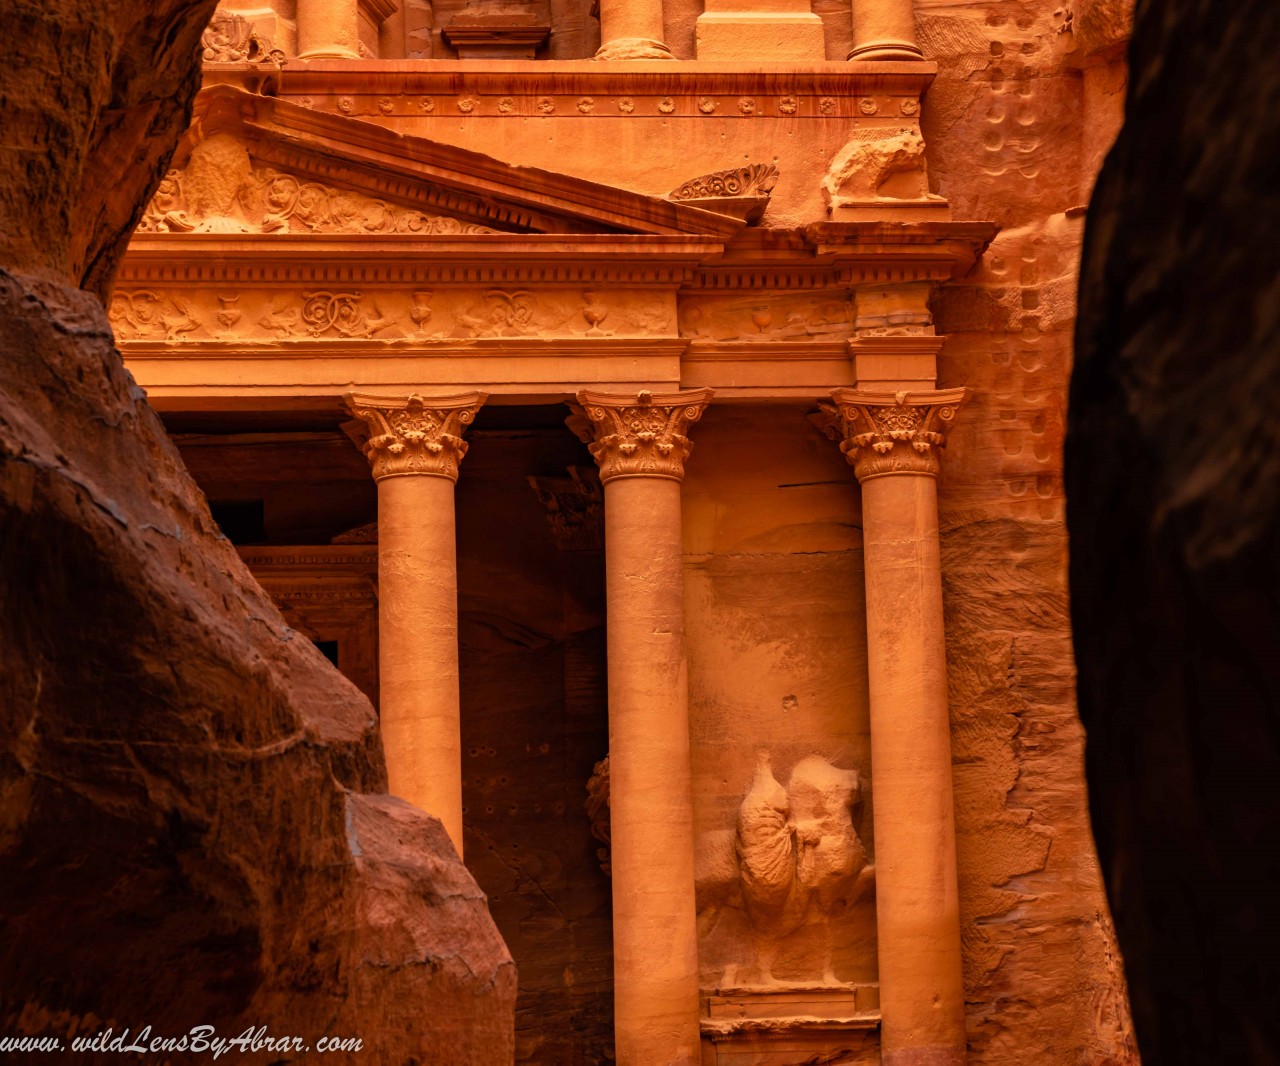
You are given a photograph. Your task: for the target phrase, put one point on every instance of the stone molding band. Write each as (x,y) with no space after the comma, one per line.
(640,436)
(882,433)
(418,435)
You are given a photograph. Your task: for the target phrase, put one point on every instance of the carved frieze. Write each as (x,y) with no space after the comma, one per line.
(339,313)
(641,437)
(766,316)
(415,435)
(891,433)
(232,38)
(221,191)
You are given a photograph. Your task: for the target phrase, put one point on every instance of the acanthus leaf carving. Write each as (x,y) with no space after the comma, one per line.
(416,434)
(891,433)
(641,437)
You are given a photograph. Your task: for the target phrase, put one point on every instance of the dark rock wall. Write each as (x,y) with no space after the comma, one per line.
(1173,482)
(189,831)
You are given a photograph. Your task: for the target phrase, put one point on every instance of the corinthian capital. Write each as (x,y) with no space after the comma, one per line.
(417,434)
(891,432)
(641,436)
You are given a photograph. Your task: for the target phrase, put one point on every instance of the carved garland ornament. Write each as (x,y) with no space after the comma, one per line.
(644,437)
(892,432)
(417,435)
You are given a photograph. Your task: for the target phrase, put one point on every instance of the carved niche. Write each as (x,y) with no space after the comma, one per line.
(221,191)
(783,880)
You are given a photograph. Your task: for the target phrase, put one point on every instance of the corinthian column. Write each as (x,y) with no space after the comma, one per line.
(893,440)
(640,444)
(884,29)
(632,29)
(415,445)
(328,29)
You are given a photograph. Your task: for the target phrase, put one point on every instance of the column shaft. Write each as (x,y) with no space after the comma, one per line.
(418,645)
(328,29)
(884,29)
(640,444)
(917,905)
(893,439)
(655,944)
(632,29)
(415,446)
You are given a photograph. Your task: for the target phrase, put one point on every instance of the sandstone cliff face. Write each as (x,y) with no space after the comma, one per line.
(1173,475)
(1018,118)
(189,835)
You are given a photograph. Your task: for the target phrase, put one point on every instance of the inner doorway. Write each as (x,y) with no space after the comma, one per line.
(535,720)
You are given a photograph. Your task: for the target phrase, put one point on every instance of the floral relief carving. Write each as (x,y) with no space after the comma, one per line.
(341,313)
(220,191)
(644,437)
(416,435)
(501,314)
(758,179)
(891,433)
(146,315)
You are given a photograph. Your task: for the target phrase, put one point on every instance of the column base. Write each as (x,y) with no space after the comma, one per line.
(886,50)
(634,48)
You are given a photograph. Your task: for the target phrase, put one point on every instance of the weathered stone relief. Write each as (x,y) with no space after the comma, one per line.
(766,316)
(742,192)
(575,512)
(878,163)
(266,316)
(221,191)
(597,806)
(232,38)
(793,867)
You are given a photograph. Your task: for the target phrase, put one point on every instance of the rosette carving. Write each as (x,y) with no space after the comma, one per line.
(416,435)
(891,432)
(641,437)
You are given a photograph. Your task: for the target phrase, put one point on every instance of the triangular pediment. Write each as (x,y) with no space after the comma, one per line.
(259,165)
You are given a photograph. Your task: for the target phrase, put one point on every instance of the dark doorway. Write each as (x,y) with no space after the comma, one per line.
(535,721)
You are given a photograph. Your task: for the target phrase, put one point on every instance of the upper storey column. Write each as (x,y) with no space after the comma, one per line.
(632,29)
(328,29)
(892,440)
(415,446)
(641,443)
(884,29)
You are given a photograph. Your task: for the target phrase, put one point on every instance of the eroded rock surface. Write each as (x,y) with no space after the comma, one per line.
(188,835)
(1174,487)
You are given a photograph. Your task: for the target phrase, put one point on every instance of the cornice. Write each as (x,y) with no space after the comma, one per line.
(368,155)
(645,77)
(643,260)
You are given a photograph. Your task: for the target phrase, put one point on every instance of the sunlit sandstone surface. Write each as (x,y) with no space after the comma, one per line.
(657,414)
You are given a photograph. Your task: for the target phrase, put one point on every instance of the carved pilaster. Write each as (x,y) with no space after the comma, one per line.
(415,435)
(891,432)
(641,437)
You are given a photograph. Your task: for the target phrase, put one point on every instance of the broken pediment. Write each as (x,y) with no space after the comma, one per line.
(221,190)
(260,165)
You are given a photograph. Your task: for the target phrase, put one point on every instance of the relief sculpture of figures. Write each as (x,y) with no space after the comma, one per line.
(796,861)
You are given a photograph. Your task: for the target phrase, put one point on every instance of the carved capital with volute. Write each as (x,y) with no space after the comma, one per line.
(416,434)
(639,436)
(884,433)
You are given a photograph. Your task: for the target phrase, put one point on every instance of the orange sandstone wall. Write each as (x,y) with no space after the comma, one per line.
(1026,101)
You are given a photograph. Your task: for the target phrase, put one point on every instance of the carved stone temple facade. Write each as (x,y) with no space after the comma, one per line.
(655,408)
